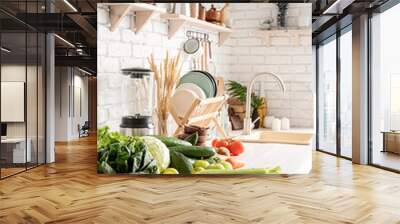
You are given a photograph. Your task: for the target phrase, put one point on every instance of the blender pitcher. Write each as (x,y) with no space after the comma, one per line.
(140,119)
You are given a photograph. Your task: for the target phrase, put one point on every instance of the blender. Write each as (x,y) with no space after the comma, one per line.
(140,122)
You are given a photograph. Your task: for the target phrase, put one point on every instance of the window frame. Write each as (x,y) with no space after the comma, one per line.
(334,37)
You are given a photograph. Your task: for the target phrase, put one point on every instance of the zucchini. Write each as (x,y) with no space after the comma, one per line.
(195,151)
(193,138)
(171,141)
(180,163)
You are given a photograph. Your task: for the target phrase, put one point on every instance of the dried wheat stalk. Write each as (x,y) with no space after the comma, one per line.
(166,76)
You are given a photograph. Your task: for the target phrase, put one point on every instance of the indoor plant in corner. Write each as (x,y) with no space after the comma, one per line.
(237,91)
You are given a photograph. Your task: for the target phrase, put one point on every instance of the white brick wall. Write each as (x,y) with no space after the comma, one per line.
(289,60)
(123,48)
(243,55)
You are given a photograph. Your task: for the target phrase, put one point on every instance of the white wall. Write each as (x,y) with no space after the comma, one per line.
(290,60)
(243,55)
(67,120)
(123,48)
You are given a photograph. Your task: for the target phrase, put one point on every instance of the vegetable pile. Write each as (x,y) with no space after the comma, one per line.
(117,153)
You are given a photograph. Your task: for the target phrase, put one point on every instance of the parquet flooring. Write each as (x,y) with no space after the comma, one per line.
(70,191)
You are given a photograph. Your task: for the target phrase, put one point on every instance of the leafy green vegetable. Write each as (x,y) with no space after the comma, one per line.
(159,151)
(117,153)
(193,138)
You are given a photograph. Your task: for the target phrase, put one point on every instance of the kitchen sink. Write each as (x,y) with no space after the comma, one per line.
(298,138)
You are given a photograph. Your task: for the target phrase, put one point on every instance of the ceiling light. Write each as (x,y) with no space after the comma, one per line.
(84,71)
(64,40)
(70,5)
(5,50)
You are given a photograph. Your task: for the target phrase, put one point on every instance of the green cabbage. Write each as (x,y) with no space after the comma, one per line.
(123,154)
(159,151)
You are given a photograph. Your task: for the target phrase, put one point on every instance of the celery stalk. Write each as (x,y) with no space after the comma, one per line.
(275,170)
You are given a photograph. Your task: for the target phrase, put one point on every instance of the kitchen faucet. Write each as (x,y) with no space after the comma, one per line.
(247,120)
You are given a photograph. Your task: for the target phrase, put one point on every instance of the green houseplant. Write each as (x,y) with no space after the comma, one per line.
(239,91)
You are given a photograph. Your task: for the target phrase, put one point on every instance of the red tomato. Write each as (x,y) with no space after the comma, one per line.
(218,143)
(236,148)
(223,143)
(214,143)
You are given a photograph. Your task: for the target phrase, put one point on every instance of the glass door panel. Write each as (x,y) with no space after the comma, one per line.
(327,97)
(32,98)
(41,79)
(346,94)
(385,89)
(14,153)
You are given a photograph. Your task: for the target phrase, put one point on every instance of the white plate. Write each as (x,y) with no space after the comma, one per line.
(195,88)
(182,100)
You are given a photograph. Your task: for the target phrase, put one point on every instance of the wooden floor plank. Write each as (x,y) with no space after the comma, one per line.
(70,191)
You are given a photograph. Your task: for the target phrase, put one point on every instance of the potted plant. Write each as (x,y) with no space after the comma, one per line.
(238,92)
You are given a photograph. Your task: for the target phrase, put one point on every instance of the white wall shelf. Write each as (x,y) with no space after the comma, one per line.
(176,21)
(292,33)
(142,13)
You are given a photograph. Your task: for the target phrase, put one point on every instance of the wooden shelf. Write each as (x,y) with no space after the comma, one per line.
(176,21)
(142,12)
(293,33)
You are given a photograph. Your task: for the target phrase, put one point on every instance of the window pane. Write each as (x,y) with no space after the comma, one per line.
(15,150)
(386,89)
(346,93)
(327,97)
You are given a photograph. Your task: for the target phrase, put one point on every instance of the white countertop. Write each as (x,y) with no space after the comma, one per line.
(292,159)
(302,130)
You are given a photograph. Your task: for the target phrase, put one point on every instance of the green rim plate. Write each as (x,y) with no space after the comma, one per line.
(202,80)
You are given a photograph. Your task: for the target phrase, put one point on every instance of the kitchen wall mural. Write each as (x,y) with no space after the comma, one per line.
(189,88)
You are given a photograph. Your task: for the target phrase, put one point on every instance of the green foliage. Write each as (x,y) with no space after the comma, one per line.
(117,153)
(239,91)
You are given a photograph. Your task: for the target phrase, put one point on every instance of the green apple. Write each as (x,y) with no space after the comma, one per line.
(227,165)
(170,171)
(198,169)
(201,163)
(216,166)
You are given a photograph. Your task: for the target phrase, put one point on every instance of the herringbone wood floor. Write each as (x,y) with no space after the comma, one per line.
(70,191)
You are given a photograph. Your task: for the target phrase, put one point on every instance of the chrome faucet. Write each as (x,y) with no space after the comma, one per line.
(247,120)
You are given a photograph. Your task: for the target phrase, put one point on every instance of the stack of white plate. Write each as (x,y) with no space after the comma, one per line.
(193,85)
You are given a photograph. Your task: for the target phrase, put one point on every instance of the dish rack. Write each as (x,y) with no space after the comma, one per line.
(203,113)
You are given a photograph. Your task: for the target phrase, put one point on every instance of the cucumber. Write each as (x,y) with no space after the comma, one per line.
(195,151)
(193,138)
(180,163)
(171,141)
